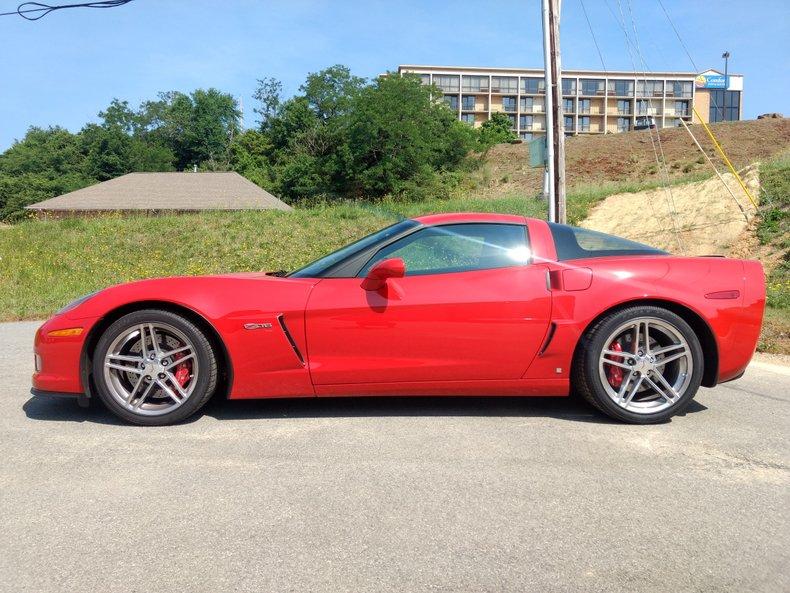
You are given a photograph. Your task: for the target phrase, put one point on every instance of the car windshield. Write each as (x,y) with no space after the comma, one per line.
(320,266)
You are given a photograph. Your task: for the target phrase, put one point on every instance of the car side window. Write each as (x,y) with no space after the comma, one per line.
(458,248)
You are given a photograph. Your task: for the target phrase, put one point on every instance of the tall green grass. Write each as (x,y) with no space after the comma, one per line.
(45,264)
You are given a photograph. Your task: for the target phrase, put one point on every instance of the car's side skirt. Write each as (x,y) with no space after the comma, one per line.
(528,387)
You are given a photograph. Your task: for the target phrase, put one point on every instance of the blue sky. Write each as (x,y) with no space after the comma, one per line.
(66,67)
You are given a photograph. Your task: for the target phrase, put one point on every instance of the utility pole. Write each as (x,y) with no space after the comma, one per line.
(726,56)
(555,127)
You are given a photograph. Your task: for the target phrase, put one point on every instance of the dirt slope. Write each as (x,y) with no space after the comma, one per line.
(630,156)
(698,218)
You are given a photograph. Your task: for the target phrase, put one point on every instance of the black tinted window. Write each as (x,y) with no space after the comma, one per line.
(576,243)
(458,248)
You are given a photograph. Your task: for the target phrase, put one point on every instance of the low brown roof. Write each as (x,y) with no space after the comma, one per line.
(167,191)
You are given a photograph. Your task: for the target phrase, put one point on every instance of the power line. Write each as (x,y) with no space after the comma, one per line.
(688,53)
(33,11)
(660,162)
(595,41)
(671,201)
(677,34)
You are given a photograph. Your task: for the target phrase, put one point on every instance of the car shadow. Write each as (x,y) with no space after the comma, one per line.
(561,408)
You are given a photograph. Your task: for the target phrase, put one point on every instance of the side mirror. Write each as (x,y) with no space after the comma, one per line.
(386,268)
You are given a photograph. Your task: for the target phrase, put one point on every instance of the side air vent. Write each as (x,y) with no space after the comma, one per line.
(281,321)
(549,338)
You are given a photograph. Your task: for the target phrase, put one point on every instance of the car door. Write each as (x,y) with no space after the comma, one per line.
(471,306)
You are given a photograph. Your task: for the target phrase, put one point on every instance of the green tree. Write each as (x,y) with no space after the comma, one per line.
(399,134)
(331,92)
(198,127)
(496,130)
(45,163)
(110,152)
(268,94)
(251,157)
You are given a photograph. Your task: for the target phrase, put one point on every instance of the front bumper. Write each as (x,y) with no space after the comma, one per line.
(57,358)
(82,399)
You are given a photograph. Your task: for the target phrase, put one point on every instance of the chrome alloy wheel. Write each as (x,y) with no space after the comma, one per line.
(151,369)
(646,365)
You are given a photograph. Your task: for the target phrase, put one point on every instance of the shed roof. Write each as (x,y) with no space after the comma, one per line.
(167,191)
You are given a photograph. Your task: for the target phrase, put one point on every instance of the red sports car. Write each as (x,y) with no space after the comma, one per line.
(448,304)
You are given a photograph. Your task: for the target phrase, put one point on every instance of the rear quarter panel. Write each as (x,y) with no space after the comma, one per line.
(618,281)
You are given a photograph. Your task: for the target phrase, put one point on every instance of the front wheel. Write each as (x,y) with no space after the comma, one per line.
(154,367)
(640,365)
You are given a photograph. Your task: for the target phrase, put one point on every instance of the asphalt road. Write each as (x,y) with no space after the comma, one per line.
(456,494)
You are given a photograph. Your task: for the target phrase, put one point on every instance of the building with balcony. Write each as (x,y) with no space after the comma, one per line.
(593,102)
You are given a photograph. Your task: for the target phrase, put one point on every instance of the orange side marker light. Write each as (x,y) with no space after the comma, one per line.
(62,333)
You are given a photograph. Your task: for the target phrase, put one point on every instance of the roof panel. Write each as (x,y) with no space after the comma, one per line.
(167,191)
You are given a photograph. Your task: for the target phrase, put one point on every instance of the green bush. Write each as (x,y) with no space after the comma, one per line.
(774,221)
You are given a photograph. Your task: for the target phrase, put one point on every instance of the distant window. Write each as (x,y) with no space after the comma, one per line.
(621,88)
(458,248)
(682,108)
(724,105)
(468,102)
(527,136)
(567,105)
(504,84)
(584,124)
(451,101)
(425,78)
(527,104)
(533,86)
(649,88)
(577,243)
(509,103)
(592,86)
(623,124)
(446,82)
(682,89)
(584,106)
(568,86)
(525,122)
(568,123)
(623,106)
(475,84)
(468,118)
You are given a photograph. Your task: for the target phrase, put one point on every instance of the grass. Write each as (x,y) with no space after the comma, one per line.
(775,337)
(773,230)
(45,264)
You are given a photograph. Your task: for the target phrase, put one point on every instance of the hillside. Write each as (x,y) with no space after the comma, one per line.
(629,157)
(44,264)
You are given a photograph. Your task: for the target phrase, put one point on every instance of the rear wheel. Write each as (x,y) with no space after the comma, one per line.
(641,365)
(154,367)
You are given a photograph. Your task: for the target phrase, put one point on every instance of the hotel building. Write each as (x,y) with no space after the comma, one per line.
(593,102)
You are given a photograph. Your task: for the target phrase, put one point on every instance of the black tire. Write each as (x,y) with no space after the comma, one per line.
(205,382)
(586,378)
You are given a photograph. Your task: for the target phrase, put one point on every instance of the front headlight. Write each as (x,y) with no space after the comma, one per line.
(76,303)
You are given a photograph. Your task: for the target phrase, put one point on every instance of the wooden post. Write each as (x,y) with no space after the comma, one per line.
(558,128)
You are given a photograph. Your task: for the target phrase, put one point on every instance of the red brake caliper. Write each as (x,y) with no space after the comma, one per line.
(182,370)
(613,373)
